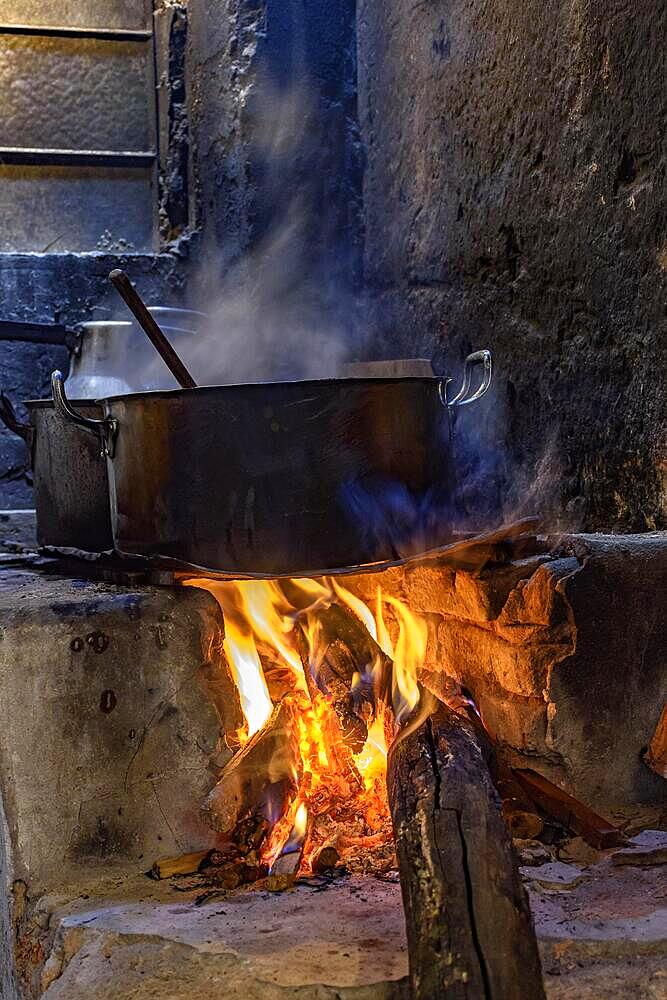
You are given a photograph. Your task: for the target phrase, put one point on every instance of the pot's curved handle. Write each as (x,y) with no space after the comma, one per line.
(12,422)
(106,428)
(484,358)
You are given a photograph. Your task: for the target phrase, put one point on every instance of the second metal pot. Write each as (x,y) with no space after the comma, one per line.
(70,485)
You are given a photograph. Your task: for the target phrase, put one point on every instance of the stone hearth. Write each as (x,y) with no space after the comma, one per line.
(559,646)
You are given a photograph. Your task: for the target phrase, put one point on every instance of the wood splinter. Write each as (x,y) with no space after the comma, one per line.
(469,926)
(184,864)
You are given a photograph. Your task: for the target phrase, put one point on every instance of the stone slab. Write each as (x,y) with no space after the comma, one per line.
(105,733)
(134,938)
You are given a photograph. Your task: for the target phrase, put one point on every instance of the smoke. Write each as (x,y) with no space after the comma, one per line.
(503,478)
(268,319)
(392,519)
(284,308)
(490,485)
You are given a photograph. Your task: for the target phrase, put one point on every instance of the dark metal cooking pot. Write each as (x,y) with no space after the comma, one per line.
(256,478)
(70,483)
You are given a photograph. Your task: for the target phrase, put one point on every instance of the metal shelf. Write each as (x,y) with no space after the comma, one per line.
(107,34)
(12,155)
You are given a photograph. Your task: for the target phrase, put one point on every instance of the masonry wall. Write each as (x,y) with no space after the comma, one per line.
(273,99)
(515,199)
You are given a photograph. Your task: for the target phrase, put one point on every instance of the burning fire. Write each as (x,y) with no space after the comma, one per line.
(347,676)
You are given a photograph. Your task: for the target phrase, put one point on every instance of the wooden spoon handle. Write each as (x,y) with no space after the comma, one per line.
(125,289)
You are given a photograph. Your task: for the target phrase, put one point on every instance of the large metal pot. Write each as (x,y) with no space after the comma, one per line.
(254,479)
(70,483)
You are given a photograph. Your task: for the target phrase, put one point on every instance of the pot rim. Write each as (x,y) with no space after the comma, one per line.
(122,324)
(433,380)
(44,404)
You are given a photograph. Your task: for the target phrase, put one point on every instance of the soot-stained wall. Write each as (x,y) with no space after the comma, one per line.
(273,85)
(515,198)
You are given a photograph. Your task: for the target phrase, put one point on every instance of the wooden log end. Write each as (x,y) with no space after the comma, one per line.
(458,869)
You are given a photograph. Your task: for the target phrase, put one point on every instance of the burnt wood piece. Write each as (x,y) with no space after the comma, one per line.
(217,681)
(469,927)
(278,674)
(232,872)
(326,858)
(261,779)
(345,648)
(656,755)
(568,811)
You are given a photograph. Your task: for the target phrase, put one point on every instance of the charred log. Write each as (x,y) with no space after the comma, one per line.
(347,652)
(260,780)
(470,932)
(326,858)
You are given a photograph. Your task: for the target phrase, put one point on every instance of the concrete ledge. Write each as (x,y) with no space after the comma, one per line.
(105,734)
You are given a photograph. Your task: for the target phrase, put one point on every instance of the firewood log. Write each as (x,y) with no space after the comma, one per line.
(519,813)
(469,927)
(262,777)
(594,829)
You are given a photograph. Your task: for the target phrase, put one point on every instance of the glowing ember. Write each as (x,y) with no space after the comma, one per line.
(352,672)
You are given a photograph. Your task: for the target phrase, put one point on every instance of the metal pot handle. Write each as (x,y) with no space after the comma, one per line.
(106,429)
(461,398)
(12,422)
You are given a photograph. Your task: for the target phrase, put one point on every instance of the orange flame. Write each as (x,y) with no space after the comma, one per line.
(338,788)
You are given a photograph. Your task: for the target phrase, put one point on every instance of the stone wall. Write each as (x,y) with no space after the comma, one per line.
(514,199)
(541,641)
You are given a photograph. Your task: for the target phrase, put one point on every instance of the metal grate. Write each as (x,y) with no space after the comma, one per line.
(60,31)
(66,87)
